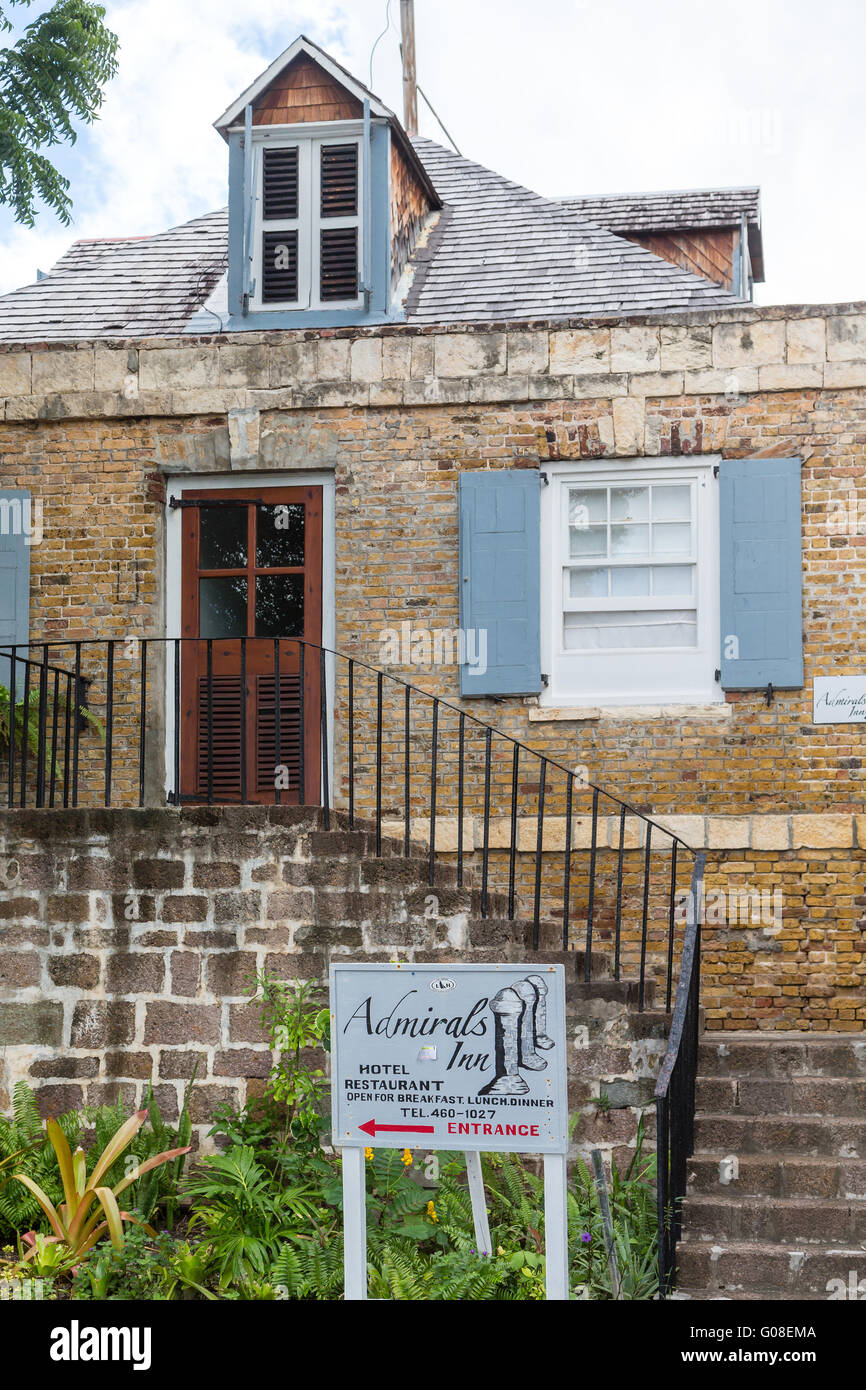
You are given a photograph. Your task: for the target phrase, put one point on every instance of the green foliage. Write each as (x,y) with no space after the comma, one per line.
(245,1213)
(158,1187)
(296,1019)
(15,723)
(55,74)
(25,1148)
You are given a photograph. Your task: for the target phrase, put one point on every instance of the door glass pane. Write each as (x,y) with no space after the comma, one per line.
(672,502)
(279,605)
(223,538)
(588,583)
(629,540)
(629,504)
(279,534)
(223,606)
(629,581)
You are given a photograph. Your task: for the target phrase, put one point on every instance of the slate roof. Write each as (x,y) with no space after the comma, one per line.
(498,251)
(671,211)
(501,251)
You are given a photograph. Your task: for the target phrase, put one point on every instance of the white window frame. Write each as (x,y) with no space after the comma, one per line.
(630,676)
(309,222)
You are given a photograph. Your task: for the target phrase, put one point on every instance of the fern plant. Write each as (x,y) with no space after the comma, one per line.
(25,1148)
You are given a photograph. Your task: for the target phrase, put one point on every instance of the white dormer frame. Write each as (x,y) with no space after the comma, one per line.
(309,139)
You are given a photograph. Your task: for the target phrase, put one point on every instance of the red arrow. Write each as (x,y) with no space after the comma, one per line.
(372,1128)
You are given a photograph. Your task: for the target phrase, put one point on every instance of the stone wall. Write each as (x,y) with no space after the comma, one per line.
(129,941)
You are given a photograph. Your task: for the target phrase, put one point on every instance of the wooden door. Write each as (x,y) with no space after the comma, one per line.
(251,708)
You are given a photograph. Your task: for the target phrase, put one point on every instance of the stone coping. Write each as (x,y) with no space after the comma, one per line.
(626,362)
(761,832)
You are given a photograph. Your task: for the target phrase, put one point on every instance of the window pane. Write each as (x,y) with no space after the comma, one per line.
(629,581)
(672,538)
(279,534)
(591,540)
(279,605)
(672,503)
(672,579)
(588,583)
(629,631)
(629,504)
(629,540)
(223,538)
(223,606)
(586,505)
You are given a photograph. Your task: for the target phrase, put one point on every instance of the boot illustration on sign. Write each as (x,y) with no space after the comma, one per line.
(541,1038)
(520,1023)
(529,1058)
(507,1008)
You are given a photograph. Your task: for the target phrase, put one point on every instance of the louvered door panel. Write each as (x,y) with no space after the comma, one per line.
(339,263)
(280,184)
(339,180)
(266,759)
(226,738)
(279,267)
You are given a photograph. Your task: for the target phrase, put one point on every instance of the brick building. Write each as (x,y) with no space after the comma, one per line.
(394,423)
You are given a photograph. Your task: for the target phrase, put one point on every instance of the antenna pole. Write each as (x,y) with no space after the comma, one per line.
(407,50)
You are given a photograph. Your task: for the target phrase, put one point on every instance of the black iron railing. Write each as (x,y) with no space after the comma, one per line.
(106,726)
(675,1090)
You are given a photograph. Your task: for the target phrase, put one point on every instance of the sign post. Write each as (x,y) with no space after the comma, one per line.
(469,1057)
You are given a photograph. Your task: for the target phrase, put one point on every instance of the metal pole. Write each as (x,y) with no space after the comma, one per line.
(407,51)
(607,1224)
(354,1225)
(555,1228)
(479,1203)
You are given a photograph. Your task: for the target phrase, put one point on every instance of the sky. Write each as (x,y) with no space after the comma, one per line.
(564,96)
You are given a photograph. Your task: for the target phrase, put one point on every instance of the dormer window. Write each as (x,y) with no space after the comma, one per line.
(327,198)
(309,232)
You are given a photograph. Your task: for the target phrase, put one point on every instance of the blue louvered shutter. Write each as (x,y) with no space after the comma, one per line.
(500,582)
(761,573)
(15,524)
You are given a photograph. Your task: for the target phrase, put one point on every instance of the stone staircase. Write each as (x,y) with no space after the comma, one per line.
(776,1204)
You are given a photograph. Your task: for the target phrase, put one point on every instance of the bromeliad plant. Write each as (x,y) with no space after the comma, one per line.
(76,1226)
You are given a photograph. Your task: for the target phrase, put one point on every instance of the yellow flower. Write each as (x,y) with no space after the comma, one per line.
(407,1157)
(368,1153)
(431,1212)
(499,1250)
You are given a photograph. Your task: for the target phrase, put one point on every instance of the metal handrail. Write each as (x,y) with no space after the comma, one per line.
(675,1090)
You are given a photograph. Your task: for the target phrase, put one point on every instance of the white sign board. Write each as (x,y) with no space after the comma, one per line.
(468,1057)
(839,700)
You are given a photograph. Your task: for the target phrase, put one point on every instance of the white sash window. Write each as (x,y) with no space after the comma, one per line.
(630,583)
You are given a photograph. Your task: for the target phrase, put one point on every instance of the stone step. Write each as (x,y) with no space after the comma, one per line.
(780,1134)
(780,1220)
(801,1271)
(782,1055)
(793,1095)
(776,1176)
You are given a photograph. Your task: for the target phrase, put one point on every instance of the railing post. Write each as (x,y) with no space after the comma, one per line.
(109,718)
(619,868)
(485,850)
(24,730)
(67,734)
(175,795)
(55,716)
(646,887)
(671,920)
(13,663)
(76,724)
(590,907)
(512,846)
(41,736)
(461,740)
(431,871)
(243,721)
(210,721)
(142,721)
(407,774)
(351,744)
(326,791)
(278,748)
(302,723)
(379,679)
(539,847)
(566,868)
